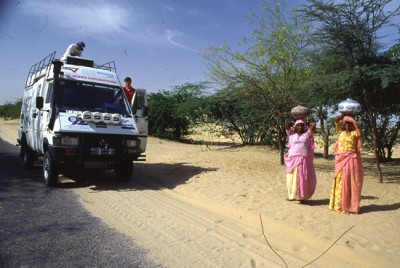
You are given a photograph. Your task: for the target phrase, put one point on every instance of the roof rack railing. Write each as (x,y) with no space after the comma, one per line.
(109,66)
(39,69)
(42,68)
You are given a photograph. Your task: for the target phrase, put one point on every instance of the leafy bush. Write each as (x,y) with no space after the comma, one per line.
(11,110)
(173,113)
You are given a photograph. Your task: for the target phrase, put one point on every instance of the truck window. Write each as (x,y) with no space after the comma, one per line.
(49,93)
(84,96)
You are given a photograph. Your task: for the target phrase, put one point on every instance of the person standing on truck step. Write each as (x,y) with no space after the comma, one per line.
(74,50)
(128,89)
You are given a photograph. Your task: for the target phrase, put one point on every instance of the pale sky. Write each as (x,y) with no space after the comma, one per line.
(156,42)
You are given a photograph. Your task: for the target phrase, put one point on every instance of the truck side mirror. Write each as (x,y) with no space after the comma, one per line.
(39,102)
(145,111)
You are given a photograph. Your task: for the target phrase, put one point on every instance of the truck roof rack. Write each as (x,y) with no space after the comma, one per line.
(109,66)
(39,69)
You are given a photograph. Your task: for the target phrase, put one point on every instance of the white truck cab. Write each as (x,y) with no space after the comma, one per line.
(75,115)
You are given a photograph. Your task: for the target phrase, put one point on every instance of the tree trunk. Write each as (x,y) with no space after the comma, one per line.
(324,133)
(326,145)
(372,121)
(392,141)
(282,143)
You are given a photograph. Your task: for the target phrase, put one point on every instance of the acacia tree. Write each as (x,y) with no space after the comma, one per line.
(383,104)
(318,90)
(349,29)
(173,113)
(390,121)
(269,68)
(235,113)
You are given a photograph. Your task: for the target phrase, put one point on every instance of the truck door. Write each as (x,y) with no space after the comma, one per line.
(44,114)
(140,111)
(36,119)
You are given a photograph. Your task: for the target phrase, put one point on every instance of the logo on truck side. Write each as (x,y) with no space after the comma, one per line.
(108,75)
(71,69)
(75,121)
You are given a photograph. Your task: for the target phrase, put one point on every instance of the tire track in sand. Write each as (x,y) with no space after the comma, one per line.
(181,234)
(185,232)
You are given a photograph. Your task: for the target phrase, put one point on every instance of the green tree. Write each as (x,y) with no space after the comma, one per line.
(323,88)
(236,114)
(382,100)
(11,110)
(270,68)
(173,113)
(349,30)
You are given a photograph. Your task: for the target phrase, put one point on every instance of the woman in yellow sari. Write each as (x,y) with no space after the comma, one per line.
(349,175)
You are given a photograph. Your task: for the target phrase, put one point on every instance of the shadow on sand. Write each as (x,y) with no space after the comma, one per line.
(376,208)
(315,202)
(145,176)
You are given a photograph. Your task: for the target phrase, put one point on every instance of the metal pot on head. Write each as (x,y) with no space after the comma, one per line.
(349,107)
(300,112)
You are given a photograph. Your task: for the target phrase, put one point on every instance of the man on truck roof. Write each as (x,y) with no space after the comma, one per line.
(74,50)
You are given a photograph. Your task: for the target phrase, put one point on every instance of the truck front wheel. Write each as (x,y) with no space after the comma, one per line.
(28,156)
(124,171)
(50,170)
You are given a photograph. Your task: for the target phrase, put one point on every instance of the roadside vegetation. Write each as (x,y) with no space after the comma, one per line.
(11,110)
(318,55)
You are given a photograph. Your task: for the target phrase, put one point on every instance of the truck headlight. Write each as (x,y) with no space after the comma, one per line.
(133,143)
(72,141)
(65,140)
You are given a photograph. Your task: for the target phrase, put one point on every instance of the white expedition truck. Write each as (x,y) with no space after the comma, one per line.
(75,115)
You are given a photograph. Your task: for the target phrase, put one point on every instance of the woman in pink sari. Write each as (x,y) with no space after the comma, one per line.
(349,175)
(300,172)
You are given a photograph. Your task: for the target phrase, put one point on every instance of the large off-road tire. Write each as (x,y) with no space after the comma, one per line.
(28,156)
(50,170)
(124,171)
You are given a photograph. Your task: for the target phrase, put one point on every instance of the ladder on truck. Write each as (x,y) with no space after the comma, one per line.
(39,69)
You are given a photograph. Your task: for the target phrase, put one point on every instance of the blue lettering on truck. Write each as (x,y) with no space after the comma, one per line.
(75,121)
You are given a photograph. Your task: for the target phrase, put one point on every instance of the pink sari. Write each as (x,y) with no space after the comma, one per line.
(301,158)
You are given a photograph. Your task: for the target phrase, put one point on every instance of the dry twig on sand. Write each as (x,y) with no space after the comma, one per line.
(265,237)
(328,247)
(323,253)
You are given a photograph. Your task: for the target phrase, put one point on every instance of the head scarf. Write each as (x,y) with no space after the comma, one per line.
(349,119)
(301,121)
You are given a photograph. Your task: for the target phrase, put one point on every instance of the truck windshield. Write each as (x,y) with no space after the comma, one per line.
(83,96)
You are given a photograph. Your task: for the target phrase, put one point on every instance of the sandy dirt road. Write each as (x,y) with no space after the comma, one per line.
(194,206)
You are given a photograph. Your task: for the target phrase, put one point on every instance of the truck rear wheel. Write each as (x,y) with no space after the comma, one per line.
(50,170)
(124,171)
(28,156)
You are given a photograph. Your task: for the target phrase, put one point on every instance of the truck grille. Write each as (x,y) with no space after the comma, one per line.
(95,144)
